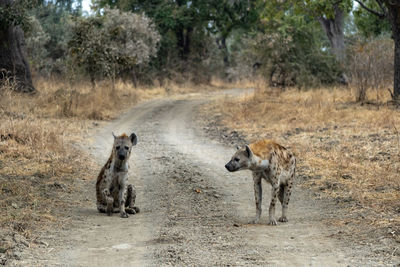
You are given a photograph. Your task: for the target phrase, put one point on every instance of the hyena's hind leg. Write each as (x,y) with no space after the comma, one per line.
(130,200)
(284,197)
(274,199)
(286,190)
(101,208)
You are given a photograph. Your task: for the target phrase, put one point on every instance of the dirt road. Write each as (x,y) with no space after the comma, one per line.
(193,212)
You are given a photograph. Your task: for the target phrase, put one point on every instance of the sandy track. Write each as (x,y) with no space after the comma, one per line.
(193,212)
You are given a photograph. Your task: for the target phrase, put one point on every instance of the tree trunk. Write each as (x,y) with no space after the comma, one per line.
(13,59)
(184,41)
(92,80)
(394,18)
(334,30)
(225,52)
(396,81)
(134,78)
(187,43)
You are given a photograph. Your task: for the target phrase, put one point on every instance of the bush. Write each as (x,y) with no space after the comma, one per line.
(35,42)
(292,54)
(113,43)
(372,66)
(47,39)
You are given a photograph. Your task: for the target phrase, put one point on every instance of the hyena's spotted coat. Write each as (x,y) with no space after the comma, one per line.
(272,162)
(112,191)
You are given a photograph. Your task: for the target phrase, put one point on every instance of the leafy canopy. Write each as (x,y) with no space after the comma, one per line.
(113,42)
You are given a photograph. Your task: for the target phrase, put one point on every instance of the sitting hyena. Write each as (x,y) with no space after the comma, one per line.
(112,191)
(271,161)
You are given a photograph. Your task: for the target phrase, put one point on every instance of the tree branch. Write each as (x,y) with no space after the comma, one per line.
(384,10)
(323,20)
(380,15)
(394,3)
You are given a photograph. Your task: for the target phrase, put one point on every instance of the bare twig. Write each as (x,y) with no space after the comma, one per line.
(398,137)
(391,93)
(380,15)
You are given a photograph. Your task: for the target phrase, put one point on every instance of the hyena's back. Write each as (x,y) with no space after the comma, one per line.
(270,150)
(100,179)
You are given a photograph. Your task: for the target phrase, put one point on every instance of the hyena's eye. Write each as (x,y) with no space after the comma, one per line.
(236,159)
(117,147)
(126,147)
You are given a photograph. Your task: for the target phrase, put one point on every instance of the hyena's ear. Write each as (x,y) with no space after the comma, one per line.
(249,152)
(133,138)
(115,137)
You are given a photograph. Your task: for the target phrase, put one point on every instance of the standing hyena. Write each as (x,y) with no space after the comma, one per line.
(112,191)
(271,161)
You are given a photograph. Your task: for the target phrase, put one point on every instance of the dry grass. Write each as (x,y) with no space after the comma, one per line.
(37,167)
(81,101)
(348,151)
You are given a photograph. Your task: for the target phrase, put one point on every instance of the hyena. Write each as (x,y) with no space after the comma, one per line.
(272,162)
(113,192)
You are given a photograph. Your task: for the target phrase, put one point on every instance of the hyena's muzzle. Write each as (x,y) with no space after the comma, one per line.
(232,166)
(122,152)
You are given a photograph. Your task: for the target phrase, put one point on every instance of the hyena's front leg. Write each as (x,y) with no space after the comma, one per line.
(122,198)
(130,200)
(110,201)
(258,196)
(274,198)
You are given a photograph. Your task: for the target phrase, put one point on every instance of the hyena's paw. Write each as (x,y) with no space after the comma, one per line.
(109,211)
(283,219)
(132,210)
(271,222)
(255,221)
(124,215)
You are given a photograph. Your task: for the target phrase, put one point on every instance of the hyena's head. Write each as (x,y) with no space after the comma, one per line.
(241,160)
(123,146)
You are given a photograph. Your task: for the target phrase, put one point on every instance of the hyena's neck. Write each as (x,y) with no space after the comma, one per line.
(257,163)
(119,165)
